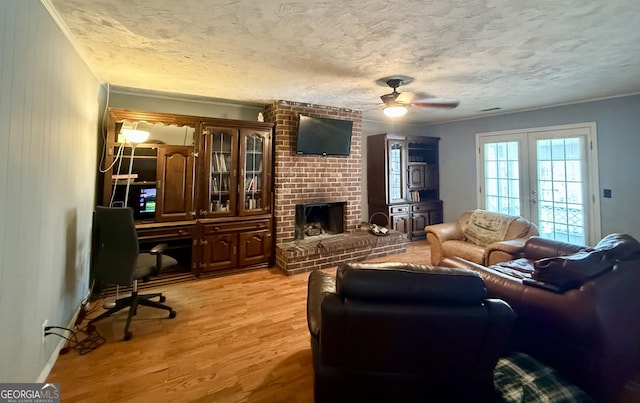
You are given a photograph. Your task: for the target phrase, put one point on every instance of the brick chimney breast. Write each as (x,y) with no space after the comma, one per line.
(300,179)
(303,179)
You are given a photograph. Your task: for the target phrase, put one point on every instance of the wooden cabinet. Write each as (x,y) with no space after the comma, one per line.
(155,178)
(237,174)
(423,214)
(409,190)
(218,252)
(400,218)
(174,183)
(386,164)
(416,176)
(235,207)
(255,247)
(255,178)
(227,245)
(422,176)
(219,171)
(211,175)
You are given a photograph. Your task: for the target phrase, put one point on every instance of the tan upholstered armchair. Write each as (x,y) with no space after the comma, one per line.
(481,237)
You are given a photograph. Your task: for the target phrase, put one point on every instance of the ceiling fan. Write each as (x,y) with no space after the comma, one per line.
(395,104)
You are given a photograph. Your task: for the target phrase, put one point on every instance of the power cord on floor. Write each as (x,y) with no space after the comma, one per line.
(82,339)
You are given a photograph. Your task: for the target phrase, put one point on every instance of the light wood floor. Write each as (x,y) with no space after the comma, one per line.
(238,338)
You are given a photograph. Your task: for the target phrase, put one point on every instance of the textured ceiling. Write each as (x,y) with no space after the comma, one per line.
(504,54)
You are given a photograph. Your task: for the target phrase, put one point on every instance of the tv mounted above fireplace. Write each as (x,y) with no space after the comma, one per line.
(324,136)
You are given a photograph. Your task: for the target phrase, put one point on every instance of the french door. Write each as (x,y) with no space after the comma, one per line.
(547,175)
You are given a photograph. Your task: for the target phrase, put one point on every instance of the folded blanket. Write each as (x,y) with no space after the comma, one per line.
(520,378)
(486,227)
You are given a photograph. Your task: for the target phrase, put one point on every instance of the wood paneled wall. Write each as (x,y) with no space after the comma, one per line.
(49,113)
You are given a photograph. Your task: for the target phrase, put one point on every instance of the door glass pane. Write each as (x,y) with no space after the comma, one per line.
(219,184)
(395,172)
(560,190)
(501,177)
(547,179)
(253,172)
(544,169)
(574,171)
(514,190)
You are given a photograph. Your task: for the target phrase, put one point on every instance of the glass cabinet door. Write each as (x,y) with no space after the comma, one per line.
(254,178)
(396,177)
(221,146)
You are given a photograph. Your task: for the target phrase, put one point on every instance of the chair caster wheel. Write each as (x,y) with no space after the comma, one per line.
(163,298)
(172,314)
(127,336)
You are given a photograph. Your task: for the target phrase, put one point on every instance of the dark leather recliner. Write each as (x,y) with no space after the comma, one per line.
(398,332)
(578,308)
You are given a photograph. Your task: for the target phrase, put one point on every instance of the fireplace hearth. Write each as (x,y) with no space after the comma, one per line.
(322,218)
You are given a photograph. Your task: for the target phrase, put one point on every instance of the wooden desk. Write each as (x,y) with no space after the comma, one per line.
(177,234)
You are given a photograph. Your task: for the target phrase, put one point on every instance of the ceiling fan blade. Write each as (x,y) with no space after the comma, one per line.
(422,96)
(386,98)
(405,98)
(390,98)
(437,103)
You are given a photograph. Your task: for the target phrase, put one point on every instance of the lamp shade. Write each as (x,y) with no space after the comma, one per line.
(135,136)
(395,110)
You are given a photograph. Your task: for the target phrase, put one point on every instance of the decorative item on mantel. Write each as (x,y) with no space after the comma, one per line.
(376,229)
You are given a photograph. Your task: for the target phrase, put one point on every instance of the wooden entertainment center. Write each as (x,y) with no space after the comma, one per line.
(203,185)
(403,182)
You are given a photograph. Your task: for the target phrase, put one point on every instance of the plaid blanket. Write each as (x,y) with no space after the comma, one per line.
(520,378)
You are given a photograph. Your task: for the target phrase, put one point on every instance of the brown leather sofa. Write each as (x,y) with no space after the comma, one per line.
(578,308)
(453,239)
(395,332)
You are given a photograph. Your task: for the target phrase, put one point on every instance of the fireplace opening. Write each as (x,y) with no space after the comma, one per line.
(313,219)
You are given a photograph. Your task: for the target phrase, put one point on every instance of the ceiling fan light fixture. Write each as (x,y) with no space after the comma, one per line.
(395,110)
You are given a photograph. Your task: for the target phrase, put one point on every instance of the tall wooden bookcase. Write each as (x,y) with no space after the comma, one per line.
(403,182)
(200,183)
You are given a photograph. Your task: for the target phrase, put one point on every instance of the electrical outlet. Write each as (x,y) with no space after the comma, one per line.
(44,325)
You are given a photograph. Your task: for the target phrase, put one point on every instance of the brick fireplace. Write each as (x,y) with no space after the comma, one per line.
(310,180)
(313,219)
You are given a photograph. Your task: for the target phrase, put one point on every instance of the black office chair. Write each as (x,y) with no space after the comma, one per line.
(117,261)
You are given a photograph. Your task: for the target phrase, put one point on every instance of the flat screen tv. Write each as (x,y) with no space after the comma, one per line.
(324,136)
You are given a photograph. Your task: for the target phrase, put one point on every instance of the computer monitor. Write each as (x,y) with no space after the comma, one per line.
(146,207)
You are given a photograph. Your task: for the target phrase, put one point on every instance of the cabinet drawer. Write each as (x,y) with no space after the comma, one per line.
(210,229)
(177,232)
(420,208)
(427,206)
(398,209)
